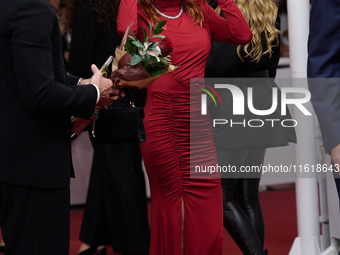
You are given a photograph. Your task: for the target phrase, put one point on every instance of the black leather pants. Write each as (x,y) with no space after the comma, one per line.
(242,213)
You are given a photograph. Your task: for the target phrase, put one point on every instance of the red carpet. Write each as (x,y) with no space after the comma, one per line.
(279,211)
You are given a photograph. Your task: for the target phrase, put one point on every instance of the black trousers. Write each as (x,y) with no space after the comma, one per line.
(115,212)
(35,221)
(242,213)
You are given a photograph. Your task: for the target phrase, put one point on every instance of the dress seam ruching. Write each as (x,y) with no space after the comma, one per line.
(174,141)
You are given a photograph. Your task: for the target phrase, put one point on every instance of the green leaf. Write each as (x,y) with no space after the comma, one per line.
(154,44)
(157,36)
(150,26)
(146,60)
(136,59)
(153,59)
(138,44)
(165,62)
(158,30)
(158,27)
(127,46)
(145,34)
(132,38)
(154,49)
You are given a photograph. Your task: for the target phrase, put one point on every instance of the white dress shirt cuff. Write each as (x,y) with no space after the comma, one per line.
(98,92)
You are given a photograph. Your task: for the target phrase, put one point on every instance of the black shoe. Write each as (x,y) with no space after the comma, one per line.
(266,252)
(2,248)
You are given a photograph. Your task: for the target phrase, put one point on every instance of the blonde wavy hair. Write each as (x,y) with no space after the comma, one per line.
(261,17)
(189,6)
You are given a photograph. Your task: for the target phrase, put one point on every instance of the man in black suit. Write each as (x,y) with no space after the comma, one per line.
(324,62)
(36,102)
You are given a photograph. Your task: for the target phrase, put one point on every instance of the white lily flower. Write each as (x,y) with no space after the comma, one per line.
(155,53)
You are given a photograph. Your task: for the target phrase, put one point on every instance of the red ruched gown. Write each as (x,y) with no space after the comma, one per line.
(166,152)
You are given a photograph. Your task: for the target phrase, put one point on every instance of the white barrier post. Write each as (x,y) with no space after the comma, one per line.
(307,241)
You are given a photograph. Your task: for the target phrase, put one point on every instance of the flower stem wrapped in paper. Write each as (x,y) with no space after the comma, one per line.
(139,64)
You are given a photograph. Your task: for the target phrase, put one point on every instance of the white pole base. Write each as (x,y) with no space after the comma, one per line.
(331,250)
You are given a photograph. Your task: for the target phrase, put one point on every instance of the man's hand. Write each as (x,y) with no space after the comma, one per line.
(335,154)
(107,93)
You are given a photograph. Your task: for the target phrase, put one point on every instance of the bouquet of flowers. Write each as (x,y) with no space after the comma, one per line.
(136,64)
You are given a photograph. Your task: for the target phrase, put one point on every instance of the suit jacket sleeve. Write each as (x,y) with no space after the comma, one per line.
(324,62)
(73,80)
(31,28)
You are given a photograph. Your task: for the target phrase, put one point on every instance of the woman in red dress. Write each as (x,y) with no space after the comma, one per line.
(186,212)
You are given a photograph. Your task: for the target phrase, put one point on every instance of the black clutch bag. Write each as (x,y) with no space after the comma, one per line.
(119,125)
